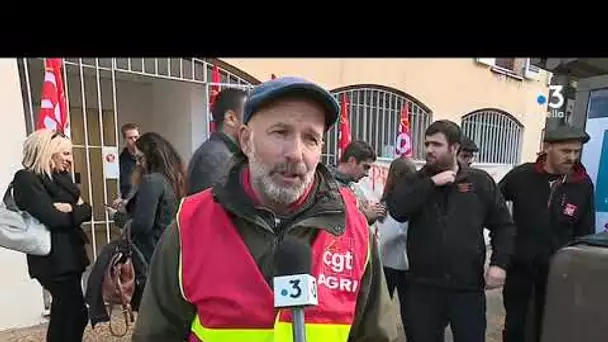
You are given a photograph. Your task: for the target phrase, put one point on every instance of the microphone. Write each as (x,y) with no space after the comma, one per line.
(293,285)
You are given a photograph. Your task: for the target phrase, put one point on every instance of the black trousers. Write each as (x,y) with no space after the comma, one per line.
(433,308)
(69,315)
(524,282)
(397,280)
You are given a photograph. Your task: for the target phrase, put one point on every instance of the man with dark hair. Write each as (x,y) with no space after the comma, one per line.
(355,163)
(447,206)
(126,161)
(211,160)
(468,148)
(553,204)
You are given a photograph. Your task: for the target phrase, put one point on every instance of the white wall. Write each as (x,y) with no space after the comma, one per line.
(178,114)
(21,301)
(198,111)
(134,103)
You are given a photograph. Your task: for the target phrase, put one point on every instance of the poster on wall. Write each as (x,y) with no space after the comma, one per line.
(110,162)
(595,154)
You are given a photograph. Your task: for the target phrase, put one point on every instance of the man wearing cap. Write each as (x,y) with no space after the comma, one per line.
(552,205)
(466,153)
(211,276)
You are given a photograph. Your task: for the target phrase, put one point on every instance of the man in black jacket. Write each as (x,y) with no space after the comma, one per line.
(212,159)
(468,148)
(448,205)
(127,162)
(552,205)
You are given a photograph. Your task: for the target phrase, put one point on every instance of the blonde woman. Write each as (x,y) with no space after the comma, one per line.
(44,188)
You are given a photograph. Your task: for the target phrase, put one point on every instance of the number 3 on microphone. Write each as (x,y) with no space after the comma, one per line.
(295,290)
(295,285)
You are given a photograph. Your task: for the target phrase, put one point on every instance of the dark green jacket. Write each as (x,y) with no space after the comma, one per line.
(164,315)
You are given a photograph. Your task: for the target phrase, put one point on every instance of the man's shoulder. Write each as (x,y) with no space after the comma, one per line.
(523,169)
(201,199)
(479,173)
(212,148)
(481,179)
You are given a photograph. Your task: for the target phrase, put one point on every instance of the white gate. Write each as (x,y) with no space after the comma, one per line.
(97,90)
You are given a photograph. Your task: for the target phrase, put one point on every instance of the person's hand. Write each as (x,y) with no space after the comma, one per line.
(111,211)
(378,209)
(495,277)
(63,207)
(443,178)
(373,211)
(80,201)
(117,202)
(369,212)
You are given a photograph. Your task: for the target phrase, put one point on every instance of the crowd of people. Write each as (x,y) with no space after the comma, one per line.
(209,231)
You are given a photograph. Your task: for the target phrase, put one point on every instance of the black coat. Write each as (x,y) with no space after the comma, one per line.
(151,210)
(548,220)
(36,195)
(211,161)
(126,163)
(445,242)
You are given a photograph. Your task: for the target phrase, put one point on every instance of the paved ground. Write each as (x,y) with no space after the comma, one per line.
(102,333)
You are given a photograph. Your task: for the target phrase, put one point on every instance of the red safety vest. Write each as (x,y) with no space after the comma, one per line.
(233,301)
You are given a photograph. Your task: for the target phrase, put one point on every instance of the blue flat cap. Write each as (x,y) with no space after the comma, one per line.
(277,88)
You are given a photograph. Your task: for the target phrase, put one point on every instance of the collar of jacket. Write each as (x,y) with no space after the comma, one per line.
(229,142)
(324,208)
(62,179)
(126,154)
(342,177)
(578,174)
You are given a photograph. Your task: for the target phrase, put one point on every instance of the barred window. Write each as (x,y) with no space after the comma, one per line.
(498,135)
(374,113)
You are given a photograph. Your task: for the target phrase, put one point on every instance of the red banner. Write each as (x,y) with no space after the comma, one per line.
(53,109)
(403,145)
(345,138)
(214,90)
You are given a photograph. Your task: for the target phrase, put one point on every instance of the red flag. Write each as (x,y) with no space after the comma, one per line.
(214,90)
(53,109)
(403,145)
(345,138)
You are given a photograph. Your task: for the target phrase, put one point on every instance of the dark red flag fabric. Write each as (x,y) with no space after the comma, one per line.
(345,138)
(214,90)
(53,109)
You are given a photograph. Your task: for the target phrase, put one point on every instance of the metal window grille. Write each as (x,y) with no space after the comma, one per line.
(498,135)
(95,92)
(374,115)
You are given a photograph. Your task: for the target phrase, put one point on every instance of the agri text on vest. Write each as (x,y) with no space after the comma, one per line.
(342,265)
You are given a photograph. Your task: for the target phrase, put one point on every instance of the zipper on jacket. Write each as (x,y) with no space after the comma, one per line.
(553,187)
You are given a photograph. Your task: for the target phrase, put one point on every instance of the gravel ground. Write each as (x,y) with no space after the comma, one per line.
(102,332)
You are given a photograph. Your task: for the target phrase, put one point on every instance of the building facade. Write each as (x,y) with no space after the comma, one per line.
(495,101)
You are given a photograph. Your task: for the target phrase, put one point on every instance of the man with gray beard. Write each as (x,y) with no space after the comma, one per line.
(211,276)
